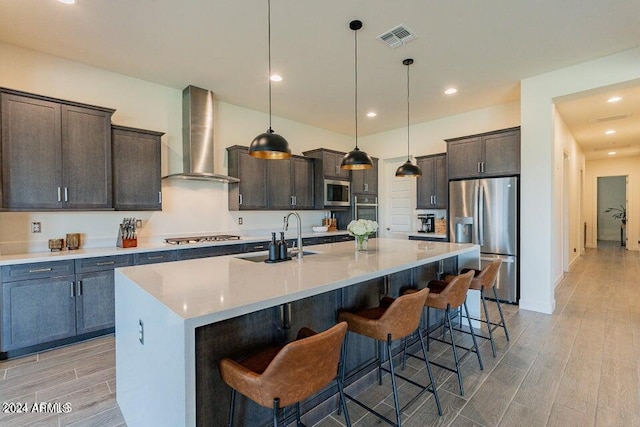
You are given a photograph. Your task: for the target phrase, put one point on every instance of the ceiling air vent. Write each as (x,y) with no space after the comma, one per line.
(397,36)
(612,118)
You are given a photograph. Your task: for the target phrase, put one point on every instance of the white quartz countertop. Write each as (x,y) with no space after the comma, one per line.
(207,290)
(26,258)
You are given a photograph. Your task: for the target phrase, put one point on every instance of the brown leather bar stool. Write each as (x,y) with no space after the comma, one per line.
(484,280)
(279,377)
(394,319)
(449,296)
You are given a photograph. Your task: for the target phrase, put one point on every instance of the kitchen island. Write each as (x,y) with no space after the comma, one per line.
(174,321)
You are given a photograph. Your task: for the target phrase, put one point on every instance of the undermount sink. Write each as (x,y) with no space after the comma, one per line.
(264,257)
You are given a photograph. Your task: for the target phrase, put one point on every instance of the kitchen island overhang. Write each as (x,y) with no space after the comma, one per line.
(159,307)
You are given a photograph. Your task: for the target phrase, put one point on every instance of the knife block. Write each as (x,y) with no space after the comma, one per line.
(125,243)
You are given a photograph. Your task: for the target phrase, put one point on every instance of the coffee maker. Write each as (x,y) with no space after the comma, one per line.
(428,223)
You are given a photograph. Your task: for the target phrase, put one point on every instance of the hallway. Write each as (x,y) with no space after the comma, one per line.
(577,367)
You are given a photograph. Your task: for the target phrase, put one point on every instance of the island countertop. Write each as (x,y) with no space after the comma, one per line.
(208,290)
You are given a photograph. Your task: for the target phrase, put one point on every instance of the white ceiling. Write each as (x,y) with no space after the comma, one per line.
(589,116)
(483,47)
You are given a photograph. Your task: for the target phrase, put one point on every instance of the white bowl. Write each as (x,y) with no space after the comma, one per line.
(320,229)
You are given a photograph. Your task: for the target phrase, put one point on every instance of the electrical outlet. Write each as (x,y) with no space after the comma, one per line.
(240,221)
(36,227)
(575,250)
(138,223)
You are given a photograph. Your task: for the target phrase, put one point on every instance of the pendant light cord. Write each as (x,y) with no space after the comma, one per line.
(408,150)
(269,38)
(355,34)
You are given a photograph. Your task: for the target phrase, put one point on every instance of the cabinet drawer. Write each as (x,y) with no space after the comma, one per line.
(325,239)
(343,238)
(102,263)
(257,246)
(154,257)
(309,241)
(210,251)
(38,270)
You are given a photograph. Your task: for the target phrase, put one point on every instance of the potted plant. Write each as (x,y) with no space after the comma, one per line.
(621,214)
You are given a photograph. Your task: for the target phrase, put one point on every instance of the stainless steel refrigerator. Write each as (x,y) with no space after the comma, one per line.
(485,212)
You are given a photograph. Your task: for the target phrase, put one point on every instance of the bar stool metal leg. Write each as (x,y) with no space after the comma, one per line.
(473,336)
(341,372)
(298,422)
(455,352)
(232,407)
(393,382)
(489,328)
(433,383)
(428,331)
(276,409)
(504,325)
(342,404)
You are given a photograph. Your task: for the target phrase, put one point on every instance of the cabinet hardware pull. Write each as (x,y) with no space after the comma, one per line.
(66,194)
(40,270)
(106,263)
(478,167)
(482,167)
(156,257)
(366,187)
(73,288)
(293,203)
(435,200)
(59,195)
(160,197)
(337,170)
(80,288)
(295,200)
(260,247)
(240,197)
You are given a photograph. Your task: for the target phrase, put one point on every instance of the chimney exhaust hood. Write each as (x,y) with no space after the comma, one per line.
(197,137)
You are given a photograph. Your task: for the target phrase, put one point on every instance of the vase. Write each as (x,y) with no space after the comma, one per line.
(361,243)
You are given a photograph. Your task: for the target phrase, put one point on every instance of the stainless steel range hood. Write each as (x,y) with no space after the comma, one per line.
(197,137)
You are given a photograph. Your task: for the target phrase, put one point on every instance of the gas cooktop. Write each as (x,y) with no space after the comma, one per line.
(200,239)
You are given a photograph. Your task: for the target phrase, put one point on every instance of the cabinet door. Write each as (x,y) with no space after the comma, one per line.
(426,183)
(31,153)
(464,157)
(502,154)
(136,170)
(279,191)
(253,180)
(86,172)
(37,311)
(441,186)
(365,181)
(303,182)
(95,301)
(330,165)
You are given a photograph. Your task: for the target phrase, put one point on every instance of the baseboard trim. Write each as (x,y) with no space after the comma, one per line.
(540,307)
(559,279)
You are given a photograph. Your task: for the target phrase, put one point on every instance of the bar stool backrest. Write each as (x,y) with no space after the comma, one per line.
(302,368)
(456,290)
(487,277)
(402,317)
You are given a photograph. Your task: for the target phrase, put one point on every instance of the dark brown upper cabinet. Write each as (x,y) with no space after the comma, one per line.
(136,169)
(330,160)
(365,182)
(55,154)
(489,154)
(270,184)
(433,184)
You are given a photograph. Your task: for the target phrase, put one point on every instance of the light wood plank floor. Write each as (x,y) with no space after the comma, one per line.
(578,366)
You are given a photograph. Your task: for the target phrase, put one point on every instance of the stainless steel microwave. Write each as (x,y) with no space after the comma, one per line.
(337,193)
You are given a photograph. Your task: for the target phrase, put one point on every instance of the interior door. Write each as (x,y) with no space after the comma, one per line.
(398,202)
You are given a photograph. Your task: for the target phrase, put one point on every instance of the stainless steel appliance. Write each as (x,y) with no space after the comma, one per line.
(337,193)
(365,207)
(485,212)
(200,239)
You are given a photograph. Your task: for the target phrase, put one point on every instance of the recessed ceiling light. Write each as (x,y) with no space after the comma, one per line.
(371,114)
(611,153)
(451,91)
(67,1)
(614,99)
(610,132)
(276,78)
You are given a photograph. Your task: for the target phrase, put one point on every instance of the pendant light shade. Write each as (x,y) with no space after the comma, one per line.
(408,169)
(269,145)
(356,159)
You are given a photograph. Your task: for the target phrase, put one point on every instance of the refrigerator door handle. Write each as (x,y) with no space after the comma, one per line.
(505,259)
(481,215)
(476,225)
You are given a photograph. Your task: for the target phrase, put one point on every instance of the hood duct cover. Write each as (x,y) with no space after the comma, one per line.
(197,137)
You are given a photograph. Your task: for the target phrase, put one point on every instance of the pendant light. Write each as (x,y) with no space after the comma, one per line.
(408,169)
(356,159)
(269,145)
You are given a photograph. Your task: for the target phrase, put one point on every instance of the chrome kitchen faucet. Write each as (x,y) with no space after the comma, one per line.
(286,227)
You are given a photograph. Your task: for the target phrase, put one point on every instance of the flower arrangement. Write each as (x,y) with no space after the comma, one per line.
(361,229)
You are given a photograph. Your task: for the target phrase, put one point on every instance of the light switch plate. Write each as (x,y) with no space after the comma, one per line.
(36,227)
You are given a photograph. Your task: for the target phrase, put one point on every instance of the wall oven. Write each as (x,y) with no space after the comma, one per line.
(337,193)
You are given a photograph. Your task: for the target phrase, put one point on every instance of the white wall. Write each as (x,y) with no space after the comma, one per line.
(564,140)
(542,158)
(612,193)
(629,166)
(189,206)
